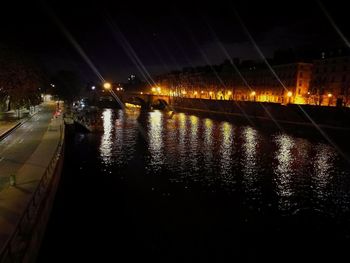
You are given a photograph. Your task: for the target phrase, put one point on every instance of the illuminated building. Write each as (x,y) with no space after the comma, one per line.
(331,81)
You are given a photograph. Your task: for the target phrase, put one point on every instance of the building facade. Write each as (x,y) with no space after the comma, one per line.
(331,81)
(325,82)
(288,83)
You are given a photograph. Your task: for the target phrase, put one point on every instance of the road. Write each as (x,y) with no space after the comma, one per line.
(16,148)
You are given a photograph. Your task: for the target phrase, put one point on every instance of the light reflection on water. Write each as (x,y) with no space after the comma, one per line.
(223,156)
(106,140)
(323,165)
(284,170)
(155,139)
(250,169)
(226,148)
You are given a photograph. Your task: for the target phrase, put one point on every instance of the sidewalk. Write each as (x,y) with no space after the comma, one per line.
(14,199)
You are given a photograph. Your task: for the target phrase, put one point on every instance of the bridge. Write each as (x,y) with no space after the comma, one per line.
(146,101)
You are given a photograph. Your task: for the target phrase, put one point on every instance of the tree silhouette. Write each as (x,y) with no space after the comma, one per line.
(20,79)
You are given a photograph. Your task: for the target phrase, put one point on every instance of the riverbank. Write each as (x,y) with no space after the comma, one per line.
(292,114)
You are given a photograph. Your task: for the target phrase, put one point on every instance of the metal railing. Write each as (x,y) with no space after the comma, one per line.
(17,244)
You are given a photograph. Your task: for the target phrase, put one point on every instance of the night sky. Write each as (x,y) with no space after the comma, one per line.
(124,38)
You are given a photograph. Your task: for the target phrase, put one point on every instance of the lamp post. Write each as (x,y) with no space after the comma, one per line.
(330,95)
(108,87)
(289,94)
(253,95)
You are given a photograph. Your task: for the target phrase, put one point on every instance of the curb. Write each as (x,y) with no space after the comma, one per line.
(6,133)
(9,131)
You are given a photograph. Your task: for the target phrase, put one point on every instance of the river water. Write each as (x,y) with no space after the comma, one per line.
(176,188)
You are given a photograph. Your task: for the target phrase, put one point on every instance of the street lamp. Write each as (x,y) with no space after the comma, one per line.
(253,93)
(330,95)
(107,85)
(289,94)
(93,87)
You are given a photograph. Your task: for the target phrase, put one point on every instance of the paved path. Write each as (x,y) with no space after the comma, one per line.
(26,153)
(17,147)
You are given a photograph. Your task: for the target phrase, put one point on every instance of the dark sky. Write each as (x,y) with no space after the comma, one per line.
(127,37)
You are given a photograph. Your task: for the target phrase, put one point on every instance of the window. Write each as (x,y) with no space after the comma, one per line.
(333,79)
(299,91)
(300,83)
(301,74)
(344,78)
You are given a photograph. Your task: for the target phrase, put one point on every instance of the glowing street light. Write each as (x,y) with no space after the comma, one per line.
(330,95)
(159,89)
(229,93)
(289,94)
(154,89)
(195,93)
(93,87)
(253,93)
(107,85)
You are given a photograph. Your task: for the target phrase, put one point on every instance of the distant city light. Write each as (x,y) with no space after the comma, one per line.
(93,87)
(253,93)
(154,89)
(195,93)
(289,94)
(229,93)
(330,95)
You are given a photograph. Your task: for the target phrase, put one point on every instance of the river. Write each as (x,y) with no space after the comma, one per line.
(184,188)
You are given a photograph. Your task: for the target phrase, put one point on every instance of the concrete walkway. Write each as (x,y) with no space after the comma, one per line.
(14,199)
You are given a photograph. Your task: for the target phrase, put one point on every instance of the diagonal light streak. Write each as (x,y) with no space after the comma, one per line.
(223,49)
(72,40)
(120,37)
(336,28)
(318,128)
